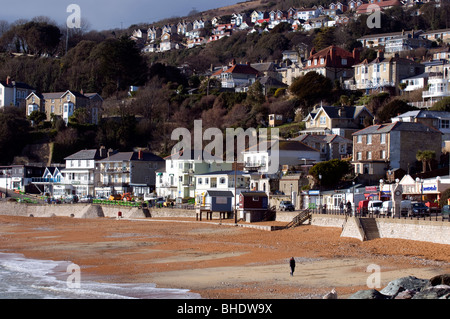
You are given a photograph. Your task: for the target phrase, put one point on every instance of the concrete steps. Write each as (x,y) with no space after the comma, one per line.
(370,228)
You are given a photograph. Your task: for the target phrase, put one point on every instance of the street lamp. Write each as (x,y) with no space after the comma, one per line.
(419,180)
(353,199)
(320,188)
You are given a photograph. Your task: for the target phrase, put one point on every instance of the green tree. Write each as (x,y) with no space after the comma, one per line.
(393,108)
(442,105)
(311,88)
(34,37)
(37,117)
(14,129)
(255,93)
(332,172)
(425,157)
(324,38)
(118,64)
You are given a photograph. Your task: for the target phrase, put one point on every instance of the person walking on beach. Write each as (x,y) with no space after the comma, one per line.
(292,265)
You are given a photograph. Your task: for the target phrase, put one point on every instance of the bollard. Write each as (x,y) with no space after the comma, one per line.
(119,215)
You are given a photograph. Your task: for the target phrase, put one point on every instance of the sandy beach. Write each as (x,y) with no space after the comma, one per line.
(220,261)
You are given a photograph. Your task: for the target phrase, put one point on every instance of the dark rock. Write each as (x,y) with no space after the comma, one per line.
(440,280)
(405,283)
(405,294)
(435,292)
(368,294)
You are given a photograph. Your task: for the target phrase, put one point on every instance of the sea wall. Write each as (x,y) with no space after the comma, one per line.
(69,210)
(421,230)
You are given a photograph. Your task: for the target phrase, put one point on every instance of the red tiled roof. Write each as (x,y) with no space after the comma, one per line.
(238,69)
(382,4)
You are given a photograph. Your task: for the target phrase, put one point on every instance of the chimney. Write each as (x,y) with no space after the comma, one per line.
(380,54)
(102,151)
(140,155)
(333,53)
(355,54)
(8,80)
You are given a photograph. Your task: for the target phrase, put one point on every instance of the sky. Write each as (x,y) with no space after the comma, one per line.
(107,14)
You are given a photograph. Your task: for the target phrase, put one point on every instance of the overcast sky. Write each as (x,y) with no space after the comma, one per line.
(107,14)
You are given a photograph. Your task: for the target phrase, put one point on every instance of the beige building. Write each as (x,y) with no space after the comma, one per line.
(340,120)
(384,72)
(64,104)
(383,147)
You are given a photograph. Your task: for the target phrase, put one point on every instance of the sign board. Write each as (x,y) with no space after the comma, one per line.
(371,189)
(314,192)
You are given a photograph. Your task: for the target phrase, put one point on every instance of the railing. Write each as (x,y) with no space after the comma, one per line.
(46,180)
(432,216)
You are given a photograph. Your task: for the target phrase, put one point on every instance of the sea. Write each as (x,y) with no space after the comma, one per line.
(25,278)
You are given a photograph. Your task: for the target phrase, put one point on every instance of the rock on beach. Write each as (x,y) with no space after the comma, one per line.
(410,287)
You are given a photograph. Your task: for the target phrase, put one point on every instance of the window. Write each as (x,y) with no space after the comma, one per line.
(384,67)
(315,61)
(369,155)
(369,138)
(359,139)
(359,156)
(445,123)
(200,181)
(383,154)
(222,180)
(383,138)
(323,120)
(322,60)
(344,61)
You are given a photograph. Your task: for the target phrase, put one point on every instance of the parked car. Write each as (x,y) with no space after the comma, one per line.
(71,199)
(405,207)
(286,205)
(386,208)
(86,199)
(445,211)
(374,206)
(362,207)
(419,209)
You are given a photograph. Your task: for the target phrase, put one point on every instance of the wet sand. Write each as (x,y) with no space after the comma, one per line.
(219,261)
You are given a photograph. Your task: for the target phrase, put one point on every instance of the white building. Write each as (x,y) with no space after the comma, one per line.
(222,181)
(14,93)
(178,178)
(80,175)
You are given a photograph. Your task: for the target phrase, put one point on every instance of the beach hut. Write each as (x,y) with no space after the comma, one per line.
(216,201)
(253,206)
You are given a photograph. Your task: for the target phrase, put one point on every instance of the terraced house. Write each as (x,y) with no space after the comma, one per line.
(383,147)
(383,73)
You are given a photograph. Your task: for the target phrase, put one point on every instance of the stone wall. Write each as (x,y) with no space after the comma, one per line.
(421,230)
(68,210)
(325,220)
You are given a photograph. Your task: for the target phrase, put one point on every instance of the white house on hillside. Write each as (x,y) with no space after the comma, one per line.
(178,177)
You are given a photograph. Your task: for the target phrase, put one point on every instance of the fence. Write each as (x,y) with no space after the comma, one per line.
(432,215)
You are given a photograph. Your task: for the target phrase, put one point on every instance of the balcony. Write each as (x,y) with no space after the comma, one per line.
(253,167)
(42,180)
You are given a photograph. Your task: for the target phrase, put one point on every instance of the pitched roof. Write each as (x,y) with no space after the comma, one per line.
(397,126)
(132,156)
(327,138)
(20,85)
(84,155)
(381,4)
(343,112)
(283,145)
(220,193)
(238,69)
